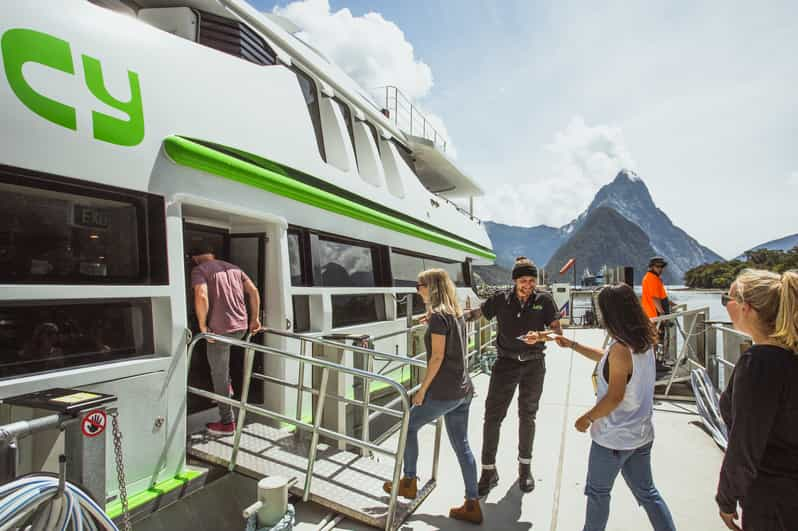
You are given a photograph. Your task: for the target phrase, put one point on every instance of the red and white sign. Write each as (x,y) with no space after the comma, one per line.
(93,423)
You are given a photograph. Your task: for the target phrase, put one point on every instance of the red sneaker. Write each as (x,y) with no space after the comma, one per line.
(217,428)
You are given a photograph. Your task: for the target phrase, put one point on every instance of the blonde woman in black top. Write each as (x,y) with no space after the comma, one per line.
(760,406)
(445,392)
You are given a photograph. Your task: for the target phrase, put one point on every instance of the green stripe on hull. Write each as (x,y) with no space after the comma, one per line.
(197,156)
(114,508)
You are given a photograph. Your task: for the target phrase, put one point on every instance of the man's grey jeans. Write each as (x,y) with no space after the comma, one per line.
(219,361)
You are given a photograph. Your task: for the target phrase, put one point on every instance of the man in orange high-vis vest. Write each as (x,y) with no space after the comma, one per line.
(654,297)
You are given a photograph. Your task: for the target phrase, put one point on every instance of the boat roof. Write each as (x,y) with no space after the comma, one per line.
(435,170)
(438,173)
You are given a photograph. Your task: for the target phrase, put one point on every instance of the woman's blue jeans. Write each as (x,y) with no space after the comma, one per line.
(455,416)
(635,467)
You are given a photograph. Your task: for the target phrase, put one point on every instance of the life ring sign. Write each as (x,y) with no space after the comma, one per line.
(94,422)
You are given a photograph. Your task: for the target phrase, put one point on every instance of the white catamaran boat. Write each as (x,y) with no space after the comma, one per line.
(134,130)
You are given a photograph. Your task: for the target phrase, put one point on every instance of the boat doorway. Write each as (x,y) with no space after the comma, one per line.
(247,251)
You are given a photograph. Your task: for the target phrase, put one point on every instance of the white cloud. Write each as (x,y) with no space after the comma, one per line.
(372,50)
(792,180)
(583,158)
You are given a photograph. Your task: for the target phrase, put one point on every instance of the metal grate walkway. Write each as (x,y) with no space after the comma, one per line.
(344,482)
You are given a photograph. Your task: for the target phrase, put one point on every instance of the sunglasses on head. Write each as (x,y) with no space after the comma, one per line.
(726,298)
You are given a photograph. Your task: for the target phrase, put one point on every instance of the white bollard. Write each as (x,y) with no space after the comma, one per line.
(273,493)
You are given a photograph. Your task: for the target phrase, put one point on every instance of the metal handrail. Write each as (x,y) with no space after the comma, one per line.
(361,350)
(316,429)
(393,102)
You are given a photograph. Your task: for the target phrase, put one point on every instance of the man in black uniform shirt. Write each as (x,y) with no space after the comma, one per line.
(520,311)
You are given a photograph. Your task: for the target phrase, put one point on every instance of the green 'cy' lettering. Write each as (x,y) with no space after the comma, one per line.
(20,46)
(122,132)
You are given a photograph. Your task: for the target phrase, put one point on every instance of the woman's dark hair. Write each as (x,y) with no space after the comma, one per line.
(625,319)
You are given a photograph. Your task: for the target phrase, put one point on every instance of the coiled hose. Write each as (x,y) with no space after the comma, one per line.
(37,503)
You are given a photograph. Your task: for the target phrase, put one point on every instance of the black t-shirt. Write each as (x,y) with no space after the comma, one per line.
(452,381)
(760,409)
(537,313)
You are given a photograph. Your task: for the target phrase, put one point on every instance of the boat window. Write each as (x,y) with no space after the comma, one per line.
(61,231)
(349,310)
(406,267)
(301,306)
(46,336)
(311,95)
(342,264)
(235,38)
(455,269)
(295,258)
(374,134)
(347,114)
(401,304)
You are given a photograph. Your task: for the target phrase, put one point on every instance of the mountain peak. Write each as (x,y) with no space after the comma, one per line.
(627,175)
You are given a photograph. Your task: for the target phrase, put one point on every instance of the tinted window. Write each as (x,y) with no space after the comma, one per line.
(301,305)
(374,134)
(343,264)
(405,269)
(401,304)
(45,336)
(346,113)
(55,232)
(295,259)
(455,269)
(351,310)
(308,87)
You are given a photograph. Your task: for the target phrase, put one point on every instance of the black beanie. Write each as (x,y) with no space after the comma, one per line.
(524,270)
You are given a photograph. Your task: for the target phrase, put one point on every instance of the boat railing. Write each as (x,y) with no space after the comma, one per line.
(407,117)
(725,345)
(315,428)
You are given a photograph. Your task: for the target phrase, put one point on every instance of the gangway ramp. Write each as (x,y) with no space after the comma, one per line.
(345,482)
(313,453)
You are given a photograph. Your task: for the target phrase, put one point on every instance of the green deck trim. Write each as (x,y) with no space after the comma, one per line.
(114,509)
(269,176)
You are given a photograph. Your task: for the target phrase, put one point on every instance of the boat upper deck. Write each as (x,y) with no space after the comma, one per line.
(686,462)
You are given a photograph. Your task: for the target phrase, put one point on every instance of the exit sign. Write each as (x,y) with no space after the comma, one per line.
(91,217)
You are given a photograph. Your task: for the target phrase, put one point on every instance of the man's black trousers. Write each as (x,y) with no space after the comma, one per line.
(508,374)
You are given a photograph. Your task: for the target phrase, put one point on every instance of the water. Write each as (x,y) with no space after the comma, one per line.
(698,299)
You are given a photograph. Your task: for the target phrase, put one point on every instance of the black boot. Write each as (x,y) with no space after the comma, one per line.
(525,480)
(487,481)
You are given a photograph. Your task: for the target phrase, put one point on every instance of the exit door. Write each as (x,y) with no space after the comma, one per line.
(247,251)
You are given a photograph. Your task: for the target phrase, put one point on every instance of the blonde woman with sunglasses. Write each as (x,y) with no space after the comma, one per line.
(445,392)
(760,406)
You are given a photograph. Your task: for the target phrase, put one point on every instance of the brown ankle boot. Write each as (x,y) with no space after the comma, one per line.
(469,512)
(408,487)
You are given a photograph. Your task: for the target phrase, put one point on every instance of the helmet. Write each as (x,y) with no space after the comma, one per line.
(657,261)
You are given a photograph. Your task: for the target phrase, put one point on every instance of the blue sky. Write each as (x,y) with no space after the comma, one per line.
(544,102)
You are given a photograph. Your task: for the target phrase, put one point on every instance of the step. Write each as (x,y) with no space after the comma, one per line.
(343,481)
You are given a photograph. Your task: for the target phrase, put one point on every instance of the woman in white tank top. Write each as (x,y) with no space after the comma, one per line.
(620,422)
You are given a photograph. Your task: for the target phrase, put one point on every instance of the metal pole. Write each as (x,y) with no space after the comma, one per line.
(301,384)
(478,341)
(396,106)
(397,469)
(249,360)
(679,358)
(314,441)
(436,452)
(366,400)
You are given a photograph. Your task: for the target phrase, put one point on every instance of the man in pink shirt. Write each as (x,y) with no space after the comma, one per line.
(222,292)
